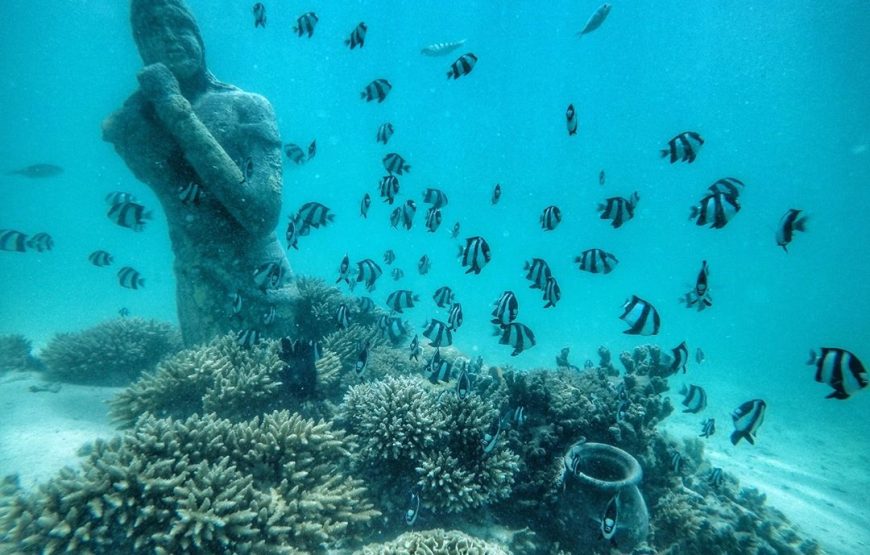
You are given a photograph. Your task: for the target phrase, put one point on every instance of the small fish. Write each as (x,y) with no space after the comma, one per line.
(40,242)
(506,309)
(376,90)
(622,409)
(641,316)
(292,235)
(708,428)
(601,178)
(475,255)
(714,477)
(517,335)
(409,209)
(441,48)
(490,438)
(443,296)
(454,317)
(119,197)
(730,186)
(397,274)
(438,333)
(269,275)
(424,265)
(715,209)
(389,188)
(259,15)
(683,148)
(344,270)
(609,518)
(294,153)
(694,398)
(454,233)
(571,116)
(552,292)
(538,272)
(518,416)
(413,509)
(312,149)
(357,36)
(395,164)
(129,214)
(247,338)
(595,21)
(792,221)
(699,356)
(364,205)
(362,360)
(415,349)
(462,66)
(401,299)
(385,131)
(368,271)
(12,240)
(496,194)
(747,418)
(38,171)
(618,209)
(269,317)
(680,356)
(130,278)
(676,461)
(236,304)
(463,385)
(365,304)
(391,327)
(700,295)
(551,218)
(389,256)
(313,214)
(101,258)
(190,193)
(123,312)
(305,24)
(436,197)
(342,317)
(596,261)
(439,369)
(433,219)
(840,369)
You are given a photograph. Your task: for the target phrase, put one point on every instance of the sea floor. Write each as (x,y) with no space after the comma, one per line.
(40,432)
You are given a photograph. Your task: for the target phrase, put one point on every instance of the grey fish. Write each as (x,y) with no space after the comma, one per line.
(441,48)
(37,171)
(596,19)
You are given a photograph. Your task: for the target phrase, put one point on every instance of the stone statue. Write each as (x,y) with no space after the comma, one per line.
(182,130)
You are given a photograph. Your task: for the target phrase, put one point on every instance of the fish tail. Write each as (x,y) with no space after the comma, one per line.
(664,153)
(693,213)
(813,358)
(736,436)
(801,223)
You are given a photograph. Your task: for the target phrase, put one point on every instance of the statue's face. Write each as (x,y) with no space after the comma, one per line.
(171,39)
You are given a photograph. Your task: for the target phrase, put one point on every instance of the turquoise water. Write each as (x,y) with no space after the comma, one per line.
(778,90)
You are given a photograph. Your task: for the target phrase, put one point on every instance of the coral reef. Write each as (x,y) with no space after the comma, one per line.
(112,353)
(15,354)
(316,309)
(202,485)
(434,542)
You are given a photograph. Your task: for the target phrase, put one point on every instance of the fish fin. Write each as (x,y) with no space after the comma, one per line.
(750,439)
(813,358)
(838,394)
(664,153)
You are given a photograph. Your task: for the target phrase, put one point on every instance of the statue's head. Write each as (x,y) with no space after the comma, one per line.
(165,31)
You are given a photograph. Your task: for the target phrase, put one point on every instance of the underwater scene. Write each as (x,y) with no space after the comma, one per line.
(434,277)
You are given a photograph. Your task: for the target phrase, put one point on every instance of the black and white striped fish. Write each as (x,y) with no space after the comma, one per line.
(40,242)
(679,356)
(641,316)
(342,316)
(312,149)
(454,317)
(490,439)
(364,205)
(454,233)
(747,418)
(840,369)
(391,327)
(496,194)
(413,509)
(365,304)
(362,360)
(699,355)
(259,15)
(441,48)
(119,197)
(714,477)
(376,90)
(236,303)
(462,66)
(700,295)
(694,398)
(715,210)
(463,384)
(538,272)
(708,428)
(475,254)
(389,256)
(357,36)
(433,219)
(385,131)
(130,278)
(730,186)
(571,117)
(415,349)
(618,209)
(424,265)
(401,299)
(305,24)
(292,234)
(269,275)
(100,258)
(443,296)
(683,148)
(247,338)
(552,292)
(438,368)
(438,333)
(596,261)
(129,214)
(12,240)
(436,197)
(792,221)
(595,21)
(551,218)
(294,153)
(123,312)
(368,272)
(506,309)
(676,461)
(389,188)
(395,164)
(270,315)
(344,270)
(517,335)
(406,214)
(190,193)
(313,214)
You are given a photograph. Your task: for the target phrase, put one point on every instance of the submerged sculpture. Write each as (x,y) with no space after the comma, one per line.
(184,129)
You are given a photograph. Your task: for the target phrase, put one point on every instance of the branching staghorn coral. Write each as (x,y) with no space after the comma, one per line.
(434,542)
(202,485)
(112,353)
